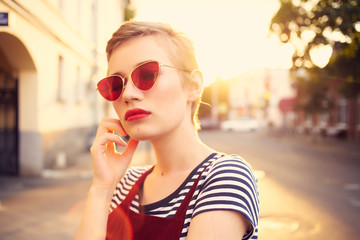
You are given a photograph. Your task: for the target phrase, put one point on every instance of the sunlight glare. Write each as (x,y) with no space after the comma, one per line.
(320,55)
(357,26)
(230,36)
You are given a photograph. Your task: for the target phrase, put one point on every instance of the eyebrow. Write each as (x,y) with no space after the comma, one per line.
(119,73)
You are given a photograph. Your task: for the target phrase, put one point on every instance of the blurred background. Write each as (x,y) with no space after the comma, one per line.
(282,90)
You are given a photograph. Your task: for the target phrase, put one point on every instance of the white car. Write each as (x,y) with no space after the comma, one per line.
(244,124)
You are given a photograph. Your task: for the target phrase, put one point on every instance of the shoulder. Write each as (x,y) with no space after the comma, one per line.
(232,160)
(231,165)
(230,185)
(230,174)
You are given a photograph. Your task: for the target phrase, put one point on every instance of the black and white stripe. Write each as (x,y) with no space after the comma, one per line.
(227,184)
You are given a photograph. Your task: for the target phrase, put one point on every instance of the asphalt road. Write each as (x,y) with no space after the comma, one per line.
(307,190)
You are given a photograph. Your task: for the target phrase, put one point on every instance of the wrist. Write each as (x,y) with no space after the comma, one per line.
(104,192)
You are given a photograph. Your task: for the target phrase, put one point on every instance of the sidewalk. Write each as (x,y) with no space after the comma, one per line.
(50,206)
(81,170)
(83,166)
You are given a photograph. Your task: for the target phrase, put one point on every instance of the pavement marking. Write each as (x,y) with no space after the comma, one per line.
(2,207)
(278,223)
(351,186)
(334,181)
(316,229)
(354,202)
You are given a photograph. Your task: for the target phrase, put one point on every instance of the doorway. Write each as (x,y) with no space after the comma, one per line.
(9,124)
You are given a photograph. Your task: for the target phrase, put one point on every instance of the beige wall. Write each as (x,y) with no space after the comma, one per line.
(39,32)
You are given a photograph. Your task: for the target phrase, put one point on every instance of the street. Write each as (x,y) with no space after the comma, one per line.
(308,190)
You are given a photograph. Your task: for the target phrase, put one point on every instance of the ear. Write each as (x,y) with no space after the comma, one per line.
(196,86)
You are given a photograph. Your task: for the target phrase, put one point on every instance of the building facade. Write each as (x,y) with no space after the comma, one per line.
(52,54)
(341,120)
(258,93)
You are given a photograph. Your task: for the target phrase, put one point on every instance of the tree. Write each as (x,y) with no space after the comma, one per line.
(129,11)
(316,98)
(317,24)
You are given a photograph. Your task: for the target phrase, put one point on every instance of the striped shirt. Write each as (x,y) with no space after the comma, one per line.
(227,184)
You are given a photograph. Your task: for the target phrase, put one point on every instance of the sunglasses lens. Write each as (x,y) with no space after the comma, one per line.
(110,88)
(144,77)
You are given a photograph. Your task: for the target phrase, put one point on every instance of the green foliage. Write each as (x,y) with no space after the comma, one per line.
(129,12)
(315,89)
(331,22)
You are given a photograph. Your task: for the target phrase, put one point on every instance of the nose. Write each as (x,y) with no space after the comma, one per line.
(131,92)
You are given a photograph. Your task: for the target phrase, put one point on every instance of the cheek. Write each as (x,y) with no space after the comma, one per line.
(117,106)
(172,100)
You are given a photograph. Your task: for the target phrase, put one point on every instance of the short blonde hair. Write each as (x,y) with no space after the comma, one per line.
(180,49)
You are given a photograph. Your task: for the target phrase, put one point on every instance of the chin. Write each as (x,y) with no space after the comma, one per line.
(139,138)
(141,134)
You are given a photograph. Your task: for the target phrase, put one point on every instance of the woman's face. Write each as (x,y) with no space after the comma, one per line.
(147,115)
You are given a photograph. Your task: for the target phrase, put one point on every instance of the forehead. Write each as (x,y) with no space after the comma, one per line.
(137,50)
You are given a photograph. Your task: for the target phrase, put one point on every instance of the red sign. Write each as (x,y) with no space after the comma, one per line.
(287,105)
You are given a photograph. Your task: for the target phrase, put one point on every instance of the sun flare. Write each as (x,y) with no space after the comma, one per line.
(230,37)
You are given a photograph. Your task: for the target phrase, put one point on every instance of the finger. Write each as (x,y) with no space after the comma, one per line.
(111,125)
(110,147)
(131,147)
(122,130)
(101,141)
(111,137)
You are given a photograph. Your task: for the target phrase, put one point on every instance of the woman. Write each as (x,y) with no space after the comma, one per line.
(192,192)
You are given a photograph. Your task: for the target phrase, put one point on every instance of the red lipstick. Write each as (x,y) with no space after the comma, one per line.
(136,114)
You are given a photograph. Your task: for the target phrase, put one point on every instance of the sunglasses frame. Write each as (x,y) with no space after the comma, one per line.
(123,79)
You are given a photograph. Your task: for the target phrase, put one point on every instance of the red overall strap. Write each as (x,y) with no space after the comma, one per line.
(123,223)
(119,225)
(135,188)
(181,212)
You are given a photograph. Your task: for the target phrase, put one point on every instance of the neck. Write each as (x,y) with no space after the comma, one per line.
(179,151)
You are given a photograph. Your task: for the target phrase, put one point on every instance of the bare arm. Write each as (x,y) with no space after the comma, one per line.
(109,168)
(225,225)
(94,218)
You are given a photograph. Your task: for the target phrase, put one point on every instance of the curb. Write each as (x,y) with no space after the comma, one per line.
(63,174)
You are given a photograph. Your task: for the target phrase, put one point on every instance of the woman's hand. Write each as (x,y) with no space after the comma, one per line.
(110,165)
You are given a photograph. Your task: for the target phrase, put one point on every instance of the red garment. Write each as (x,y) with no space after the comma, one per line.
(125,224)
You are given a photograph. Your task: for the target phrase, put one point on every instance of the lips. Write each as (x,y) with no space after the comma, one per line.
(136,114)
